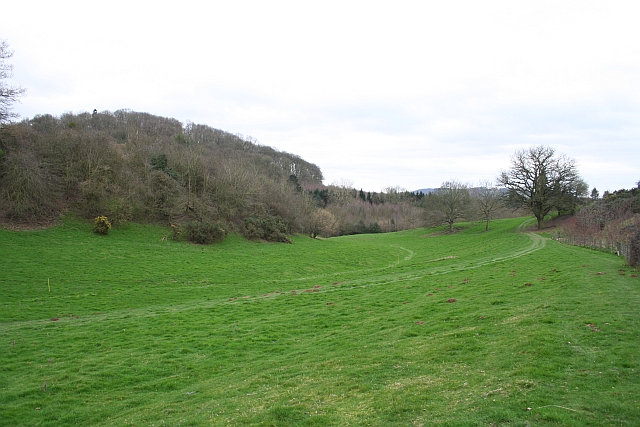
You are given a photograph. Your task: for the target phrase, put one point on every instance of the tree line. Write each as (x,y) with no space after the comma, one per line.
(133,166)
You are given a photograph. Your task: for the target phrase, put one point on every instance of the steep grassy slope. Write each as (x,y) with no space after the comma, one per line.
(410,328)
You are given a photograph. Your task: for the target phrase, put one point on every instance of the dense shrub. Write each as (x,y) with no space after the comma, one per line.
(270,228)
(362,228)
(120,210)
(101,225)
(204,232)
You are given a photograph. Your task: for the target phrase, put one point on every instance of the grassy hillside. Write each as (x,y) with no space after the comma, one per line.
(413,328)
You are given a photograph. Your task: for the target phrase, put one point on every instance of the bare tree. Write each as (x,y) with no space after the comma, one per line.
(8,94)
(322,223)
(540,181)
(452,201)
(488,200)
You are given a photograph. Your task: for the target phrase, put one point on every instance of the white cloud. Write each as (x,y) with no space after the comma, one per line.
(408,94)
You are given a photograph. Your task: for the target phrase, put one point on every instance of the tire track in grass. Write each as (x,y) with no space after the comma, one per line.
(153,311)
(359,271)
(537,242)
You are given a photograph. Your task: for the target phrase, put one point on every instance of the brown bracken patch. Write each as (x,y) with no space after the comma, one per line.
(429,294)
(452,300)
(528,284)
(419,322)
(54,319)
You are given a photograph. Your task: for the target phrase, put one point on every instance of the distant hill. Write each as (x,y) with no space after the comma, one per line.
(424,191)
(431,190)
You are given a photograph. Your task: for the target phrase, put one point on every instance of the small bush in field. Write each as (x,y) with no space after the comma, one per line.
(101,225)
(204,232)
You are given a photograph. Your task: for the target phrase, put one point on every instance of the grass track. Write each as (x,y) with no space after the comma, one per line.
(347,331)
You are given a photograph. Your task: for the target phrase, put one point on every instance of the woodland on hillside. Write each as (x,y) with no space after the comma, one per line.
(135,166)
(132,166)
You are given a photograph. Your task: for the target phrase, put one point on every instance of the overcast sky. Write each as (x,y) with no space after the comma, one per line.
(377,94)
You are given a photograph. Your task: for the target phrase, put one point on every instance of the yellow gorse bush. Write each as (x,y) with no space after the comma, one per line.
(101,225)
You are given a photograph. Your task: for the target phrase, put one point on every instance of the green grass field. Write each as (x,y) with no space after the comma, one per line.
(132,329)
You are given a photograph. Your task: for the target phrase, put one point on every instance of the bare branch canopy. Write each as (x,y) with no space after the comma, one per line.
(8,94)
(540,181)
